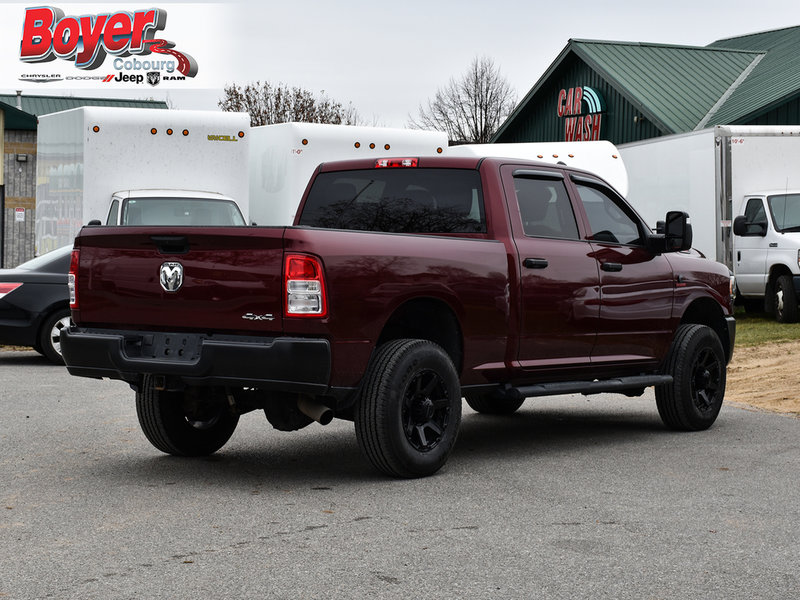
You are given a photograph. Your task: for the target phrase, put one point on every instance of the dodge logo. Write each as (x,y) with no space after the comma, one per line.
(171,276)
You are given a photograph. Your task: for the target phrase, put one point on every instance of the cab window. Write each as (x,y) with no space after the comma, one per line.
(609,221)
(545,208)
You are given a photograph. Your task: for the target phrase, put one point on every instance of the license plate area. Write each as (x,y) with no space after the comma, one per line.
(173,347)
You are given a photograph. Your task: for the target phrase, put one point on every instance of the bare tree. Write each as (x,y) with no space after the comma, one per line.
(267,104)
(470,109)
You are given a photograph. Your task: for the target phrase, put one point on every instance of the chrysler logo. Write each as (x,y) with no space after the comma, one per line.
(171,276)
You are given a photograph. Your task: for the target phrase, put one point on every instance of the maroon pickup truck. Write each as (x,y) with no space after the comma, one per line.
(403,286)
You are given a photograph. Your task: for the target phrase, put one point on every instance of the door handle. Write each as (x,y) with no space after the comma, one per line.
(535,263)
(611,267)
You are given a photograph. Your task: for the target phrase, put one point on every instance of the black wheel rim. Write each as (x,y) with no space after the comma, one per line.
(706,379)
(426,411)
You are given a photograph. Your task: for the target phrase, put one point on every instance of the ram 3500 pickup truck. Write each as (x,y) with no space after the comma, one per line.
(404,285)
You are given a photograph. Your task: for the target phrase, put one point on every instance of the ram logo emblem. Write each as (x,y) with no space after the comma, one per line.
(171,276)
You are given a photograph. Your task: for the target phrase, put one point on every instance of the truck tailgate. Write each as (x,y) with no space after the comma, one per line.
(231,279)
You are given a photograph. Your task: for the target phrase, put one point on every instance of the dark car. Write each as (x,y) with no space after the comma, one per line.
(34,303)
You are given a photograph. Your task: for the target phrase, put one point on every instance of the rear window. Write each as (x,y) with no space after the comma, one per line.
(397,200)
(180,211)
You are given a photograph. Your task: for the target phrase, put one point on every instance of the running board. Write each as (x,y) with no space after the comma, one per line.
(620,385)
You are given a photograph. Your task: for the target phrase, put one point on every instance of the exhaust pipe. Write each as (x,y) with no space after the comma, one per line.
(314,410)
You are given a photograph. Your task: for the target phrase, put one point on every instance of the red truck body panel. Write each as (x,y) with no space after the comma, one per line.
(515,322)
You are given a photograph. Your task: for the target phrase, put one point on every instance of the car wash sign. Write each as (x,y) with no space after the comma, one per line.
(581,109)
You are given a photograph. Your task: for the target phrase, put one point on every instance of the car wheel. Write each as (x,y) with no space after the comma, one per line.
(488,405)
(785,300)
(697,364)
(49,343)
(409,410)
(167,426)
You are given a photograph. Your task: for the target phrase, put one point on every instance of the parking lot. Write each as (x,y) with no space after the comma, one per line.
(569,498)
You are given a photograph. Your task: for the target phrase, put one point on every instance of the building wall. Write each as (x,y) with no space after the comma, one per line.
(785,114)
(20,193)
(540,121)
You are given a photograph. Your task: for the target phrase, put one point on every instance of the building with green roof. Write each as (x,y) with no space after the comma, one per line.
(18,123)
(630,91)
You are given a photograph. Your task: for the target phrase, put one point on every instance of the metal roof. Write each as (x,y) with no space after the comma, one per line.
(35,106)
(43,105)
(683,88)
(674,86)
(772,82)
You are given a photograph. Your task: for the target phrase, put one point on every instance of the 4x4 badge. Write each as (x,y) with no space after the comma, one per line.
(171,277)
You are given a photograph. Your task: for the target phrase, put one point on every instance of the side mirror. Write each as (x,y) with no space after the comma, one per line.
(743,228)
(677,231)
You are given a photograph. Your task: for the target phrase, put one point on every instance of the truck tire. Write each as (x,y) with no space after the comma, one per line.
(488,405)
(697,364)
(785,300)
(166,426)
(49,344)
(409,411)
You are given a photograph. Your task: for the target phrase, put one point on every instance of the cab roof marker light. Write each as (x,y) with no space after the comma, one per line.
(396,162)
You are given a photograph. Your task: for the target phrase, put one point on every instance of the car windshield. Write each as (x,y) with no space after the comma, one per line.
(181,211)
(55,261)
(785,209)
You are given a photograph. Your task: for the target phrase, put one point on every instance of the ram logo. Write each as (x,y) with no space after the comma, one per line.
(171,276)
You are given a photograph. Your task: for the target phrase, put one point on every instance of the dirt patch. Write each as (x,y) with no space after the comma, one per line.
(766,377)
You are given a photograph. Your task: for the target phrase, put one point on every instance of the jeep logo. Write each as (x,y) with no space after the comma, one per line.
(171,277)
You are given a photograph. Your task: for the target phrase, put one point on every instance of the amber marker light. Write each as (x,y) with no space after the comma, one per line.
(357,144)
(439,150)
(241,134)
(185,132)
(169,131)
(372,146)
(386,146)
(96,128)
(304,142)
(154,131)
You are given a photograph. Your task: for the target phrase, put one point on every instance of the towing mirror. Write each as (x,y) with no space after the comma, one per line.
(744,228)
(677,231)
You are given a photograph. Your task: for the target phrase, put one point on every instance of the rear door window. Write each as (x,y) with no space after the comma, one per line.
(545,208)
(397,200)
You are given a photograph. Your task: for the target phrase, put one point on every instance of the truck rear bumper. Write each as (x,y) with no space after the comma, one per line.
(282,363)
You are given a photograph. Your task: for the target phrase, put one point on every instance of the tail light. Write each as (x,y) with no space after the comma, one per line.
(72,280)
(305,287)
(7,288)
(396,162)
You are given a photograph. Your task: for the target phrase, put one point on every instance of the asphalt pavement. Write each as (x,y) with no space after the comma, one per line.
(571,497)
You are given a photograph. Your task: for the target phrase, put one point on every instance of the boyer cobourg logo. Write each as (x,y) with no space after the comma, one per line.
(88,41)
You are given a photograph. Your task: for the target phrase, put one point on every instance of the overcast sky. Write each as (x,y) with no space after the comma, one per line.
(389,57)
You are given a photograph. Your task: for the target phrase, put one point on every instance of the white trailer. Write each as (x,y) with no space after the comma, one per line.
(600,157)
(284,156)
(128,165)
(741,187)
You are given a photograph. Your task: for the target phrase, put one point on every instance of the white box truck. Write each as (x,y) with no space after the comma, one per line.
(600,157)
(284,156)
(130,166)
(741,187)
